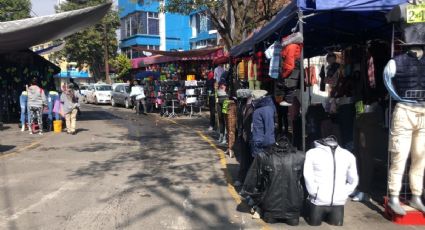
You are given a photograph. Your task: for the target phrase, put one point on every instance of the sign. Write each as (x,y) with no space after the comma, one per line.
(415,13)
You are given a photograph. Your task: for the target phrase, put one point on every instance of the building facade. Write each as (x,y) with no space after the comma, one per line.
(203,32)
(144,26)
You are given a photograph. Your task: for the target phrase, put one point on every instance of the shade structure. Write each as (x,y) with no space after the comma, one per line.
(22,34)
(326,23)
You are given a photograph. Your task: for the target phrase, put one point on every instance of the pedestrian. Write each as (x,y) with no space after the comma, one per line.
(36,102)
(138,93)
(70,103)
(23,101)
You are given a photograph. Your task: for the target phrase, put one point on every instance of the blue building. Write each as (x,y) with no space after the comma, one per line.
(143,25)
(203,32)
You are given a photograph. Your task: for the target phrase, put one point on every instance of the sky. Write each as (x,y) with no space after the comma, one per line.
(45,7)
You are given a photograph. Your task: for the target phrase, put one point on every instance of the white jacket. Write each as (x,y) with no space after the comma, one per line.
(326,184)
(137,91)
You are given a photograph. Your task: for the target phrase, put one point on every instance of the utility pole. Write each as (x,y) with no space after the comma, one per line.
(108,79)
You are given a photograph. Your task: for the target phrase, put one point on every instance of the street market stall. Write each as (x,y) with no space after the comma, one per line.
(358,41)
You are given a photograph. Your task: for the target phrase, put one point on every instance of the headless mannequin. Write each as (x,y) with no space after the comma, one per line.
(415,201)
(334,215)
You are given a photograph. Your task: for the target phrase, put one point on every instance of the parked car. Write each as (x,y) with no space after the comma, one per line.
(99,94)
(121,95)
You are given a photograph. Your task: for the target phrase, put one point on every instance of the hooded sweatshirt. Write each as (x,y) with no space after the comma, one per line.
(330,176)
(36,97)
(262,125)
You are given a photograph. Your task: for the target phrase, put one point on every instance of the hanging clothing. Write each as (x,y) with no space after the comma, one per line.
(273,182)
(250,71)
(310,73)
(259,65)
(290,54)
(241,70)
(322,76)
(371,72)
(330,174)
(273,53)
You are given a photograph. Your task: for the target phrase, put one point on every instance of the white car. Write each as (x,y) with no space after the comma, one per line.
(99,94)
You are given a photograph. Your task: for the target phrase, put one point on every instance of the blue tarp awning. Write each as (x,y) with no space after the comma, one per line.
(328,23)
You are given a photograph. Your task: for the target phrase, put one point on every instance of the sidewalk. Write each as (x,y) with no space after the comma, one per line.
(357,215)
(13,140)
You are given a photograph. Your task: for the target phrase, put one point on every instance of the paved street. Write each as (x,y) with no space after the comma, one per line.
(124,171)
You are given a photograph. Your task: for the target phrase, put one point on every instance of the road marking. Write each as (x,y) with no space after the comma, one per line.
(223,163)
(32,145)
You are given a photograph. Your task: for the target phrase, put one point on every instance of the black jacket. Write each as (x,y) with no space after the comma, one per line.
(274,181)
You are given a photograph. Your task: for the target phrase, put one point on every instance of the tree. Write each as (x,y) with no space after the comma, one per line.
(122,65)
(233,19)
(14,9)
(89,45)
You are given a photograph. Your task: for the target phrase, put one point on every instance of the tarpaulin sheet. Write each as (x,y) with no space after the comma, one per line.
(352,5)
(22,34)
(331,23)
(182,54)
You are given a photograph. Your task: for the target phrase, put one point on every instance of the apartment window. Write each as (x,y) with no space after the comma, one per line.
(153,23)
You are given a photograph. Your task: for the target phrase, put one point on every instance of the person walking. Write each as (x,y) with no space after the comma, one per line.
(36,101)
(70,103)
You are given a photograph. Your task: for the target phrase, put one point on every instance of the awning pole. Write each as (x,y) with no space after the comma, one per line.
(303,110)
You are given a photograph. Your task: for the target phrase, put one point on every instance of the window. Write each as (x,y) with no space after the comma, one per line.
(127,89)
(103,88)
(140,23)
(153,23)
(118,88)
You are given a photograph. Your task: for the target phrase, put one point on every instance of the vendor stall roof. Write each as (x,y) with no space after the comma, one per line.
(22,34)
(157,59)
(183,54)
(326,23)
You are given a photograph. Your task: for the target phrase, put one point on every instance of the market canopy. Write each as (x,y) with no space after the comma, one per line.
(182,54)
(22,34)
(326,23)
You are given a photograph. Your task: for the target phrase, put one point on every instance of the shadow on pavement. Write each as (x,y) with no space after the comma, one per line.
(96,115)
(169,167)
(5,148)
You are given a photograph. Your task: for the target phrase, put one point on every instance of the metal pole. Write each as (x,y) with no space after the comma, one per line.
(303,110)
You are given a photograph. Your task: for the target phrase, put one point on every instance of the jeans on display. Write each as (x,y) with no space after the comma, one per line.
(71,120)
(246,160)
(211,103)
(50,105)
(254,85)
(282,120)
(407,138)
(35,112)
(23,100)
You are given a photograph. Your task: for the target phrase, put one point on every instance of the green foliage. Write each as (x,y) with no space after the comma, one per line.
(14,9)
(89,45)
(122,65)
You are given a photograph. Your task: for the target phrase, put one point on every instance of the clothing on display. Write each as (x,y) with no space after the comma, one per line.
(409,79)
(273,53)
(231,118)
(218,71)
(273,182)
(322,76)
(413,33)
(23,100)
(262,124)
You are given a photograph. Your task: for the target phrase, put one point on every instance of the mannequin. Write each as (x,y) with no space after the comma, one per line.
(330,176)
(274,184)
(262,122)
(408,132)
(404,78)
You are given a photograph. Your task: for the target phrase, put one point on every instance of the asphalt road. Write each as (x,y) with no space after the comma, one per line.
(123,171)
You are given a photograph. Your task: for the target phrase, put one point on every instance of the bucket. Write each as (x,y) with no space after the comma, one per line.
(57,126)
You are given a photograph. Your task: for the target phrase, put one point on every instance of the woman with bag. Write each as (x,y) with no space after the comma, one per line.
(69,100)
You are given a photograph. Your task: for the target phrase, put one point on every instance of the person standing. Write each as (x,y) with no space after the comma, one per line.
(23,101)
(36,101)
(69,100)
